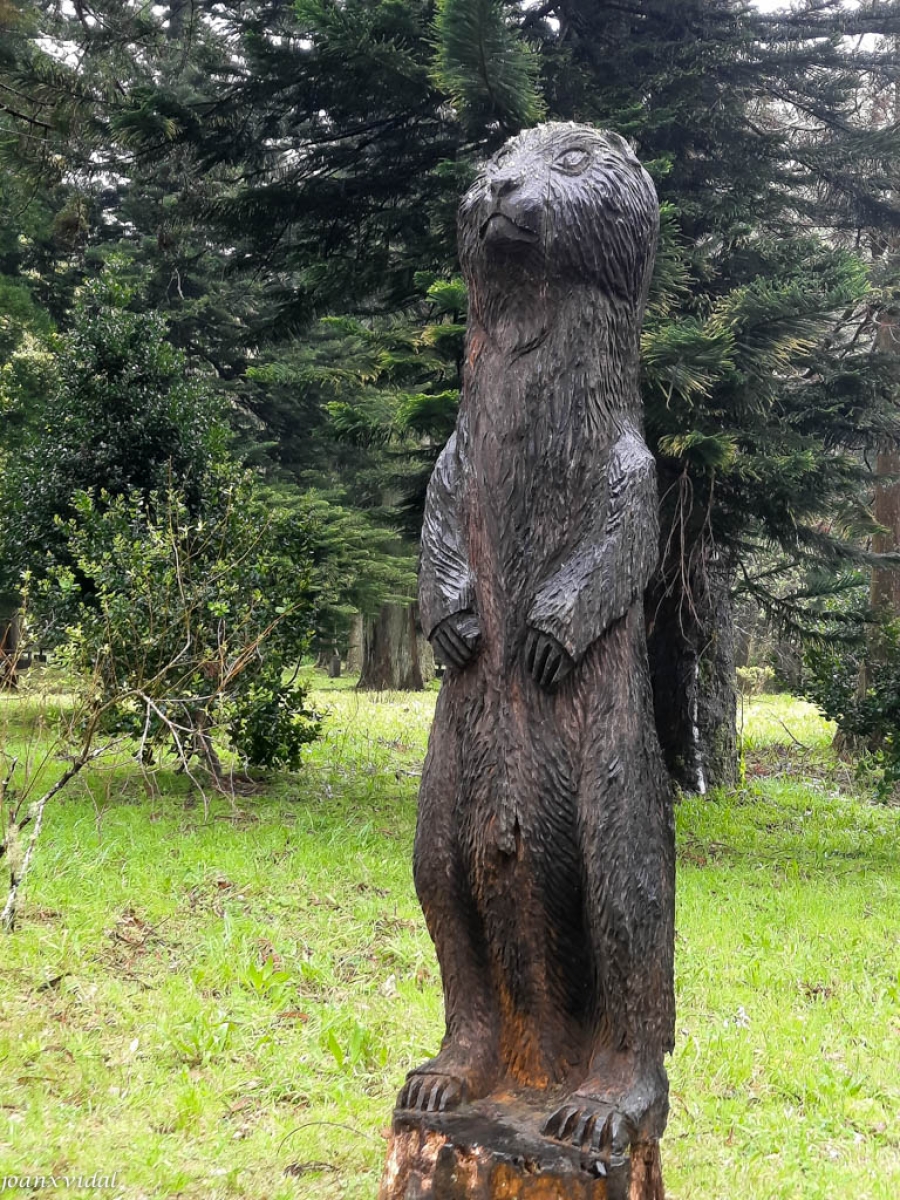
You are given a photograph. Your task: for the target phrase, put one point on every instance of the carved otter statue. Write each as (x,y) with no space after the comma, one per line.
(544,854)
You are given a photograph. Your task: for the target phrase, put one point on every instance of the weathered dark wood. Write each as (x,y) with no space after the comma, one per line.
(496,1151)
(544,857)
(885,585)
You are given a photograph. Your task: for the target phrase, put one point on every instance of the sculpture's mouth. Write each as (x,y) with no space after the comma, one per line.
(499,227)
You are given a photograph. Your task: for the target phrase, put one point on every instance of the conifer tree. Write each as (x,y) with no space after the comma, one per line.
(759,387)
(329,143)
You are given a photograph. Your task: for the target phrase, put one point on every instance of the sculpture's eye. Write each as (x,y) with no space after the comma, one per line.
(573,161)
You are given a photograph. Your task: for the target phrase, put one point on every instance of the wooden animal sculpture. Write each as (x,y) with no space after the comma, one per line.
(544,854)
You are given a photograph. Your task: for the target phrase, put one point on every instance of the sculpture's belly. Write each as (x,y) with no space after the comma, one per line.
(519,811)
(521,752)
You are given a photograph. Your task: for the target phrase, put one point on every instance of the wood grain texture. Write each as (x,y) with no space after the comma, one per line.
(494,1151)
(544,856)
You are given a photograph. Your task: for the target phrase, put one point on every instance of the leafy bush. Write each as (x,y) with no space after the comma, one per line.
(863,699)
(109,405)
(753,680)
(188,621)
(151,560)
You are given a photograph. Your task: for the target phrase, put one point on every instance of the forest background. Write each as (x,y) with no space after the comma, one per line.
(231,308)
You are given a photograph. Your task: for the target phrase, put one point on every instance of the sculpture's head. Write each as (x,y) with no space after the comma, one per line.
(561,205)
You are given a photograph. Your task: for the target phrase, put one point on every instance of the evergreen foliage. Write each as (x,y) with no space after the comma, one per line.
(267,164)
(484,66)
(120,413)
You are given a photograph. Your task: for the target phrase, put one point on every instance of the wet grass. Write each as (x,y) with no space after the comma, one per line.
(202,1003)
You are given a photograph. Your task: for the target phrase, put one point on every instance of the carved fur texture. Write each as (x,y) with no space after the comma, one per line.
(544,856)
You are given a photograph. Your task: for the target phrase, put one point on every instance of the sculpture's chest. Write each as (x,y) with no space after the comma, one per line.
(538,463)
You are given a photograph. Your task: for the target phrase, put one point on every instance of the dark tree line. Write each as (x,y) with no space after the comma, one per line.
(282,175)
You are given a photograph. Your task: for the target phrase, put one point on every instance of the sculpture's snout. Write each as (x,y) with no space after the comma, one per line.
(504,184)
(514,215)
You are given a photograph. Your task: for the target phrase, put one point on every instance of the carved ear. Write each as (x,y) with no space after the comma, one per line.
(625,146)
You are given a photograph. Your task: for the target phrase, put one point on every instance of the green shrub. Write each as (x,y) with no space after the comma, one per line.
(862,698)
(111,405)
(754,680)
(186,621)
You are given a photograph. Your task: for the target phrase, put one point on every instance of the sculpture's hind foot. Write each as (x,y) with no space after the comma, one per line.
(591,1125)
(447,1081)
(426,1091)
(607,1120)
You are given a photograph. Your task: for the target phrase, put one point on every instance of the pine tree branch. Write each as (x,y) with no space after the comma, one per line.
(20,116)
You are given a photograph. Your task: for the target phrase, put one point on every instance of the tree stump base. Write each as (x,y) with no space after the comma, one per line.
(493,1150)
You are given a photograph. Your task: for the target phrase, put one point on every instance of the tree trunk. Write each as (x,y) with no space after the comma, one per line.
(717,690)
(470,1155)
(179,10)
(354,647)
(690,639)
(390,652)
(885,586)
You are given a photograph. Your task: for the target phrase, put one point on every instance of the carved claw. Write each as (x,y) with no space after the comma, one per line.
(456,639)
(547,660)
(431,1093)
(557,1121)
(568,1122)
(584,1127)
(601,1138)
(451,1095)
(590,1125)
(408,1093)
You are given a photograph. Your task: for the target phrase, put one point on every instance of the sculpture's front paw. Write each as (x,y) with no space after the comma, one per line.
(548,661)
(463,1070)
(456,639)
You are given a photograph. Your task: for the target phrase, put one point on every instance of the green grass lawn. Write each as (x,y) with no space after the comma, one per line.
(225,1005)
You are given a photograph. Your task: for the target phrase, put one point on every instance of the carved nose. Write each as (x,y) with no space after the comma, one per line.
(502,185)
